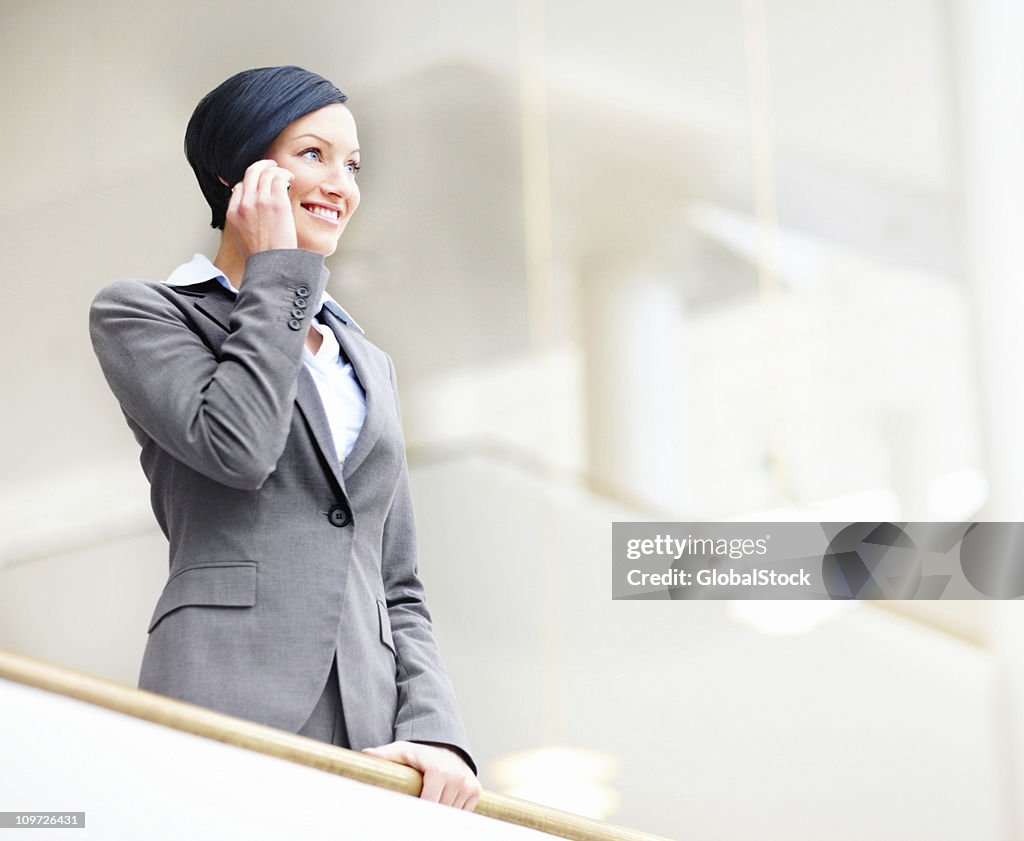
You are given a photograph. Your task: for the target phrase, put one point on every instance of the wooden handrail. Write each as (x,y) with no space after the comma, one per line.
(199,721)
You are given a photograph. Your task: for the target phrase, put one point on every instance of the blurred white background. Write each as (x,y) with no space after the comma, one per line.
(754,259)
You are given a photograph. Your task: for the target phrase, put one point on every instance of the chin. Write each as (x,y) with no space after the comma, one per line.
(320,247)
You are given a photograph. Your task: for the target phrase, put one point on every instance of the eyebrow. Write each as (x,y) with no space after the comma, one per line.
(322,140)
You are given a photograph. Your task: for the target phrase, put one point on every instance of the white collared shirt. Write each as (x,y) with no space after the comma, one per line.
(342,396)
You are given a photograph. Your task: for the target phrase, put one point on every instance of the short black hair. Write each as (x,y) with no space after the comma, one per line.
(235,123)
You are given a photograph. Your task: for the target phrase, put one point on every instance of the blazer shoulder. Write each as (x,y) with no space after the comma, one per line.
(141,293)
(132,309)
(140,297)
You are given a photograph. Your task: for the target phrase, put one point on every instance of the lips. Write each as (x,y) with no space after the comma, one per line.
(323,211)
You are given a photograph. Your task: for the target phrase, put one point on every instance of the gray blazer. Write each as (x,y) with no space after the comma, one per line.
(279,554)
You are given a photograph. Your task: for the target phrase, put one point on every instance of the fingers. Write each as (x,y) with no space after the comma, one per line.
(263,183)
(395,751)
(446,777)
(233,202)
(468,794)
(259,213)
(251,179)
(273,184)
(433,788)
(460,786)
(441,786)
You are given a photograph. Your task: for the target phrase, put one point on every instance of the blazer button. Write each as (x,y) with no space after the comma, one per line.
(339,516)
(298,312)
(302,291)
(301,302)
(295,324)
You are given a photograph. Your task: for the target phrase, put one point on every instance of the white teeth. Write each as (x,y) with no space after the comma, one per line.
(327,213)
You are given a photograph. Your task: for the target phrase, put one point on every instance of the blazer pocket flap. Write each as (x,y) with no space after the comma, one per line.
(222,584)
(385,627)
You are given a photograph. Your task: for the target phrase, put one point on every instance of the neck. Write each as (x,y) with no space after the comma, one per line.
(230,261)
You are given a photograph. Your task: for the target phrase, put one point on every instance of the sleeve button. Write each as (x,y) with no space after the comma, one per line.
(295,324)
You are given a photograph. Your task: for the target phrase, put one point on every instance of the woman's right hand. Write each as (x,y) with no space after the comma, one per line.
(260,216)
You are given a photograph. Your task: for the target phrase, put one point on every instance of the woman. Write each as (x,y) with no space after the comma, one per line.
(270,435)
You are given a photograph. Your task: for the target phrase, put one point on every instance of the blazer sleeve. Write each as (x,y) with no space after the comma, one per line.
(427,709)
(225,415)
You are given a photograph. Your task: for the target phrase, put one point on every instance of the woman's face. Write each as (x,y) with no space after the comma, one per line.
(322,153)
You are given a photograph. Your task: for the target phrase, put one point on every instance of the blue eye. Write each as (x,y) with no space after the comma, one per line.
(311,151)
(353,167)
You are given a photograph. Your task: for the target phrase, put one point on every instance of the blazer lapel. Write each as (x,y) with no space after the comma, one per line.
(308,400)
(217,305)
(356,353)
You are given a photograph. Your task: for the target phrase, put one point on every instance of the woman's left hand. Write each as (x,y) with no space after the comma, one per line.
(447,778)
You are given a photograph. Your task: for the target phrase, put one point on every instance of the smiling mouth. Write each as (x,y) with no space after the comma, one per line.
(328,214)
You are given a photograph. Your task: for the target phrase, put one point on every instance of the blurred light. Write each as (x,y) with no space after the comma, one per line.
(870,504)
(574,779)
(957,496)
(780,618)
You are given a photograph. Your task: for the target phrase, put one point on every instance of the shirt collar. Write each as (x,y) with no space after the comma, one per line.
(200,269)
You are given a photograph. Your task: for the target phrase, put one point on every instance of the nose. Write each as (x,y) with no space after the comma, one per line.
(340,181)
